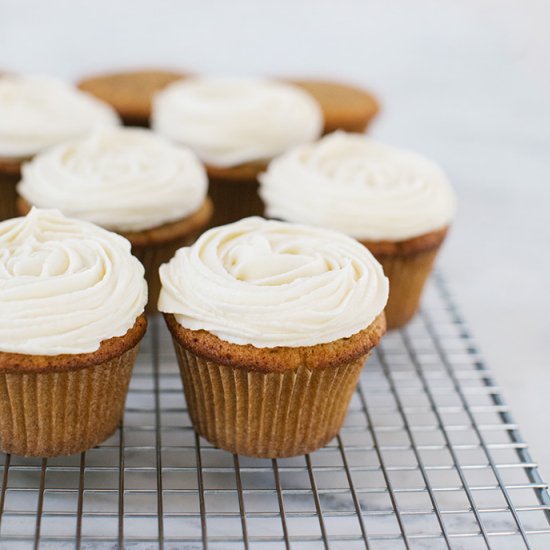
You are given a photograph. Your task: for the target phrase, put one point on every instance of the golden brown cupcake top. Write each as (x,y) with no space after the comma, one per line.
(130,92)
(344,107)
(108,349)
(11,167)
(423,243)
(277,359)
(246,172)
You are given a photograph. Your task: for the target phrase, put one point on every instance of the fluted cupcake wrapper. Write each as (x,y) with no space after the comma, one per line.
(266,414)
(408,275)
(8,196)
(234,200)
(60,413)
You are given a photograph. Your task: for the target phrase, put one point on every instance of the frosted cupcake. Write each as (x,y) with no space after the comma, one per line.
(397,203)
(36,112)
(71,317)
(272,323)
(235,126)
(131,181)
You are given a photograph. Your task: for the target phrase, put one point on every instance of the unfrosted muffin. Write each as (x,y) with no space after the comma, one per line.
(235,126)
(272,323)
(71,300)
(128,180)
(130,92)
(36,112)
(345,107)
(397,203)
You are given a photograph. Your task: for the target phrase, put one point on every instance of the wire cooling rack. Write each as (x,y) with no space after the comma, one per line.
(429,457)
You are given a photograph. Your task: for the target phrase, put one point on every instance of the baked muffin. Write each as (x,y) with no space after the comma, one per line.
(71,318)
(130,92)
(345,107)
(128,180)
(235,125)
(397,203)
(272,323)
(36,112)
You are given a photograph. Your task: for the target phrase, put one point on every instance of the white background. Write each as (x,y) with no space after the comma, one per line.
(467,83)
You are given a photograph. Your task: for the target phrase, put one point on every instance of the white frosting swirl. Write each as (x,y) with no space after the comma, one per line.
(65,285)
(230,121)
(120,178)
(270,283)
(359,186)
(36,112)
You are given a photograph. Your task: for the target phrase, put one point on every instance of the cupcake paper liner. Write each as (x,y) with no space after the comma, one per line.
(60,413)
(8,196)
(266,414)
(234,200)
(408,275)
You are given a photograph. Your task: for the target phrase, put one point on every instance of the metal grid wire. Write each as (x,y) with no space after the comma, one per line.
(429,457)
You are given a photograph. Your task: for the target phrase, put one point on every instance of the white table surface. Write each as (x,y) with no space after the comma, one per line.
(467,83)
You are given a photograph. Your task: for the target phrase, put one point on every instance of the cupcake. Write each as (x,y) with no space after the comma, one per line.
(37,112)
(272,323)
(397,203)
(128,180)
(130,92)
(235,126)
(344,107)
(71,319)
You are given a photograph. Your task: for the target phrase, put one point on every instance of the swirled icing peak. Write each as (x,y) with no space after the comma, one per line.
(36,112)
(126,179)
(65,285)
(270,283)
(359,186)
(230,121)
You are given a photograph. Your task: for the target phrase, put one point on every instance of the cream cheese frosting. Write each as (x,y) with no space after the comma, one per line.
(271,283)
(230,121)
(126,179)
(359,186)
(65,285)
(36,112)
